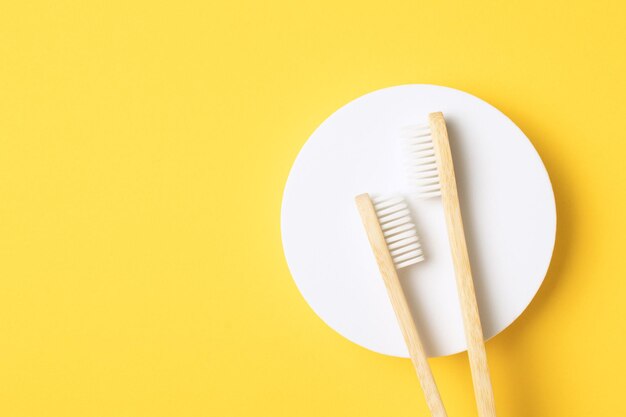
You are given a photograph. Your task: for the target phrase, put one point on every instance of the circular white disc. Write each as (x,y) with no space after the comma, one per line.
(506,199)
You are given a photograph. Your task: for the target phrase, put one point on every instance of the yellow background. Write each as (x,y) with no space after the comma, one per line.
(144,146)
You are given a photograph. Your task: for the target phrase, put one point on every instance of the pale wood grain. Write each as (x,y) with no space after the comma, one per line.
(400,305)
(465,286)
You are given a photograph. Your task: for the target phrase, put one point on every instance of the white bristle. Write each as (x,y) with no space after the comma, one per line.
(421,164)
(399,231)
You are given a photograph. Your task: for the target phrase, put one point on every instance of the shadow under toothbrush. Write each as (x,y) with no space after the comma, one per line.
(477,259)
(408,285)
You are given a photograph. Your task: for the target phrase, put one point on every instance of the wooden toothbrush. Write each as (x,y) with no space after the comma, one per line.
(432,172)
(395,244)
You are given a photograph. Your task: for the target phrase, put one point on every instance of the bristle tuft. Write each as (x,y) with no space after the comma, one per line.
(399,231)
(421,164)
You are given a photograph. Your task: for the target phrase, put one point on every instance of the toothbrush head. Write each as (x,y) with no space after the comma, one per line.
(422,173)
(398,230)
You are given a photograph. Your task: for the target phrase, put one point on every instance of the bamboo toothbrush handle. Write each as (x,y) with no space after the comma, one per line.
(400,305)
(471,319)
